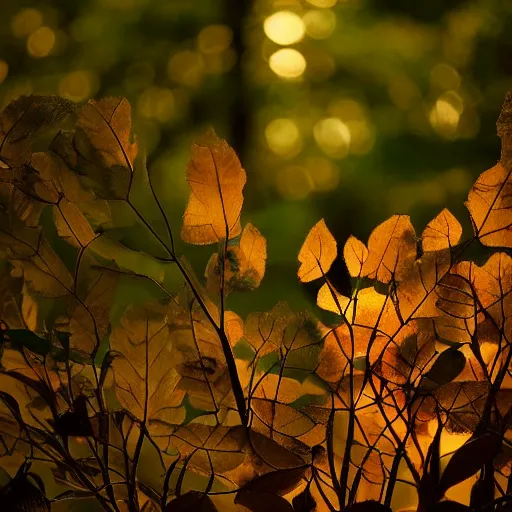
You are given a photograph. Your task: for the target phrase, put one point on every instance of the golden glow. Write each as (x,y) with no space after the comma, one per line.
(403,91)
(323,3)
(156,103)
(284,27)
(4,70)
(294,183)
(283,137)
(319,23)
(445,115)
(78,85)
(41,42)
(25,22)
(214,39)
(287,63)
(444,76)
(323,172)
(333,136)
(186,68)
(362,137)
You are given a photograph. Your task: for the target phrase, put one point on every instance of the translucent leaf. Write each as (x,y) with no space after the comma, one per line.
(317,253)
(391,246)
(447,366)
(355,254)
(145,373)
(442,232)
(216,179)
(89,319)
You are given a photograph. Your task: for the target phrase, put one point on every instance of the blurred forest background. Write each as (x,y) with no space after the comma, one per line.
(352,110)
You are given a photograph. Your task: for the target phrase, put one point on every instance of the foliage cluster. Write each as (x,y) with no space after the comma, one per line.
(119,389)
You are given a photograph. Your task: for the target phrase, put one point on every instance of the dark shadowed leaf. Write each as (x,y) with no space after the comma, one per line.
(262,502)
(23,120)
(368,506)
(278,482)
(446,367)
(449,506)
(193,501)
(304,502)
(469,459)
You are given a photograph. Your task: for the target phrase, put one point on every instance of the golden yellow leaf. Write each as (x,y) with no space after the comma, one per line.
(253,247)
(317,253)
(216,179)
(417,283)
(442,232)
(355,254)
(391,245)
(490,205)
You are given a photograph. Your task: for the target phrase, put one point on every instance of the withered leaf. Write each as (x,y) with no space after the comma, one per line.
(317,253)
(446,367)
(216,179)
(22,122)
(106,151)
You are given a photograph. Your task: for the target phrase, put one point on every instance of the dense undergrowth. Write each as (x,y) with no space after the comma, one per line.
(121,391)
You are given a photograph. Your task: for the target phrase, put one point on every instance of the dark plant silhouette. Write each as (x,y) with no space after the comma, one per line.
(119,386)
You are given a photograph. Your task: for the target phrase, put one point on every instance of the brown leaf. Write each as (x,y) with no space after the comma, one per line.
(23,120)
(216,179)
(317,253)
(490,205)
(145,371)
(106,152)
(442,232)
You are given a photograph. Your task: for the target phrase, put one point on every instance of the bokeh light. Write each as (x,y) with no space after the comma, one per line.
(214,39)
(186,68)
(78,85)
(287,63)
(333,136)
(294,182)
(26,21)
(284,28)
(444,116)
(319,23)
(283,137)
(323,3)
(41,42)
(156,103)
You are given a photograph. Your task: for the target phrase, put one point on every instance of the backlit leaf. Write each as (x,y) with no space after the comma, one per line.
(442,232)
(355,254)
(317,253)
(391,245)
(216,179)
